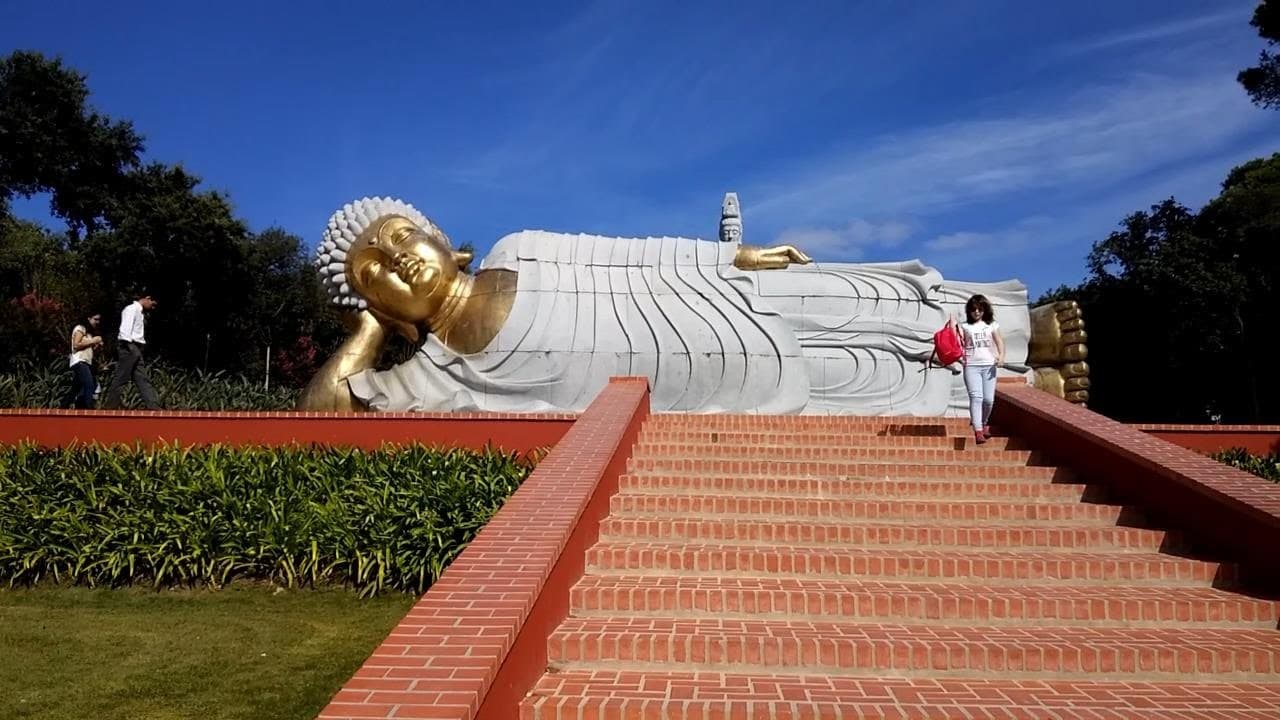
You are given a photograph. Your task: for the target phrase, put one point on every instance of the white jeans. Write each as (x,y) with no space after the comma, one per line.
(980,381)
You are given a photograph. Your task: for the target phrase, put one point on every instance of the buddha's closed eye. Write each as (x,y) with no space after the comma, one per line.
(369,272)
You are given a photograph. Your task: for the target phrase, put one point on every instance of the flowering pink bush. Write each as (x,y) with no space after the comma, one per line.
(298,362)
(36,326)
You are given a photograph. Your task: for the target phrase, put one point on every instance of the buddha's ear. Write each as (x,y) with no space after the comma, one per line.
(463,258)
(408,330)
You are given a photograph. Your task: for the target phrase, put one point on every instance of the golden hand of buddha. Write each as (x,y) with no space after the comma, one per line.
(772,258)
(1058,350)
(328,390)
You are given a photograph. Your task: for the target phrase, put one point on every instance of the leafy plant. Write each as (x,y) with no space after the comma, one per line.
(1267,466)
(387,519)
(35,386)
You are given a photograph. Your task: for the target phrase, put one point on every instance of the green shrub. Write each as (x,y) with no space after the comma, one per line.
(1263,466)
(32,386)
(386,519)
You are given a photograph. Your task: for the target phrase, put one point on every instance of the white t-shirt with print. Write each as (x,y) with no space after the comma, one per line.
(979,343)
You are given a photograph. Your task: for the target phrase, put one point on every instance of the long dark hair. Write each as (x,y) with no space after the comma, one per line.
(88,326)
(982,306)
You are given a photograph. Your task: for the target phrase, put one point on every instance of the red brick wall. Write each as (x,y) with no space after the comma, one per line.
(1257,439)
(56,428)
(1235,512)
(477,640)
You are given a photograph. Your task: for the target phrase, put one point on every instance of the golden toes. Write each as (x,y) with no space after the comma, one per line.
(1075,353)
(1075,384)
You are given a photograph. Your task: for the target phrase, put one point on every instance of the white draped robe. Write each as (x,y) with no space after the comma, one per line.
(819,338)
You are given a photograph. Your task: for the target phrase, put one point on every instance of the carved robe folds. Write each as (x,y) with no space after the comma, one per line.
(821,338)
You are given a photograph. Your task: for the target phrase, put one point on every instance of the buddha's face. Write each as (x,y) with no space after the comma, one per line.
(401,270)
(730,232)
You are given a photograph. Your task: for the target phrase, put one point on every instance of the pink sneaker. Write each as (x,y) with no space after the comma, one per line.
(986,430)
(978,437)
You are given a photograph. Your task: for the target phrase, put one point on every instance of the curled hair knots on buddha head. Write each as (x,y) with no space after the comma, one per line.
(344,227)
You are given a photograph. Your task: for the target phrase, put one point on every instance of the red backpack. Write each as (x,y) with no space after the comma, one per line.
(947,346)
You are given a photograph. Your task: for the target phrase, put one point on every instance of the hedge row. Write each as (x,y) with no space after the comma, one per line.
(387,519)
(1264,466)
(35,386)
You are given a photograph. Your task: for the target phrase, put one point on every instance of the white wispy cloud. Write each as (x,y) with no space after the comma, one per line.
(975,249)
(850,240)
(967,248)
(1094,137)
(1158,31)
(960,240)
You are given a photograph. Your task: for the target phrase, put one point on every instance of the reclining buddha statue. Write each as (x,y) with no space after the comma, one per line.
(548,318)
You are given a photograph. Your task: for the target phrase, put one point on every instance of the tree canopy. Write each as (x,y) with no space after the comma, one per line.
(52,141)
(1262,81)
(225,293)
(1177,304)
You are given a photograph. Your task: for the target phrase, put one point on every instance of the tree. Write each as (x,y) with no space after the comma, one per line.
(29,256)
(225,294)
(1179,306)
(1262,81)
(1245,220)
(52,141)
(286,309)
(1062,292)
(184,246)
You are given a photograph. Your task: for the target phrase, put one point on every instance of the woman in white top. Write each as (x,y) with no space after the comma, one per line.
(83,341)
(983,353)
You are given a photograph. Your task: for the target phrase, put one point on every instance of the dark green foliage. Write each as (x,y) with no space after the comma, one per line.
(52,140)
(1267,466)
(37,386)
(1062,292)
(391,519)
(1262,81)
(225,294)
(1178,307)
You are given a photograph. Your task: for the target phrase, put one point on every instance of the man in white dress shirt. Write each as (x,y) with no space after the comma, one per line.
(129,366)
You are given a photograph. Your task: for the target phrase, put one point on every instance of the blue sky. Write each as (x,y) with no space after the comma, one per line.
(991,139)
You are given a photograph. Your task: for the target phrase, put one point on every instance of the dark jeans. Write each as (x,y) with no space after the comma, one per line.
(129,366)
(82,387)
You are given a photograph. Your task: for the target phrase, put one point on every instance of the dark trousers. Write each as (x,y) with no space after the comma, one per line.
(129,366)
(82,387)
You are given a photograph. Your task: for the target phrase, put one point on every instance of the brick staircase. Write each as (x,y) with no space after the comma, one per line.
(816,567)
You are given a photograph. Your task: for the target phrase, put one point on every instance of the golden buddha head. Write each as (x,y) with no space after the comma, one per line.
(383,256)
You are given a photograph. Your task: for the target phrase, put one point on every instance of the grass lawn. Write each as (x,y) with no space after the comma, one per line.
(241,652)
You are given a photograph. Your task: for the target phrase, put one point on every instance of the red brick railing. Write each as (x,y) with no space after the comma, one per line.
(57,428)
(477,640)
(1234,511)
(1257,439)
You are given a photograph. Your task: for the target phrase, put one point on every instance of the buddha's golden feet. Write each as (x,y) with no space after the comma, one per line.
(1059,348)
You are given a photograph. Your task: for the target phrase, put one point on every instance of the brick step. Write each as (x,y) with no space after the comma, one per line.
(826,439)
(708,451)
(830,423)
(749,532)
(938,603)
(1024,651)
(800,510)
(816,468)
(666,695)
(853,488)
(990,566)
